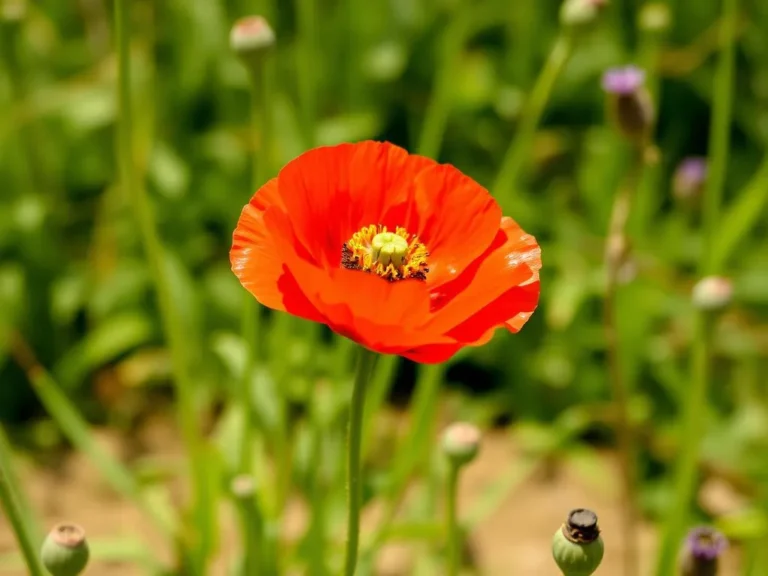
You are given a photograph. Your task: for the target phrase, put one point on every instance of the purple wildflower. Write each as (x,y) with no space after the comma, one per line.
(623,81)
(706,543)
(702,549)
(689,177)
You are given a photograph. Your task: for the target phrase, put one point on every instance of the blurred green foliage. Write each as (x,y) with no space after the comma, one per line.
(74,281)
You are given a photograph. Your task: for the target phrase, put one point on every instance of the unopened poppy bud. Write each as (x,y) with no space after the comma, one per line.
(689,178)
(581,12)
(461,442)
(250,38)
(65,550)
(243,486)
(577,546)
(701,550)
(655,17)
(13,10)
(712,293)
(629,104)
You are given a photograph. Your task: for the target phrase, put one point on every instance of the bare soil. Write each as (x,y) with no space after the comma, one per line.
(512,540)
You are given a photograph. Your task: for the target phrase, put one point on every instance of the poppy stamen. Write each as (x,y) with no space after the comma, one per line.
(394,255)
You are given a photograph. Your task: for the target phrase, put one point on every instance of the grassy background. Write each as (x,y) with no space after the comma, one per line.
(74,281)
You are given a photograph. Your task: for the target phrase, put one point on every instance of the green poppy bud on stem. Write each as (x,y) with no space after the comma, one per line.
(655,17)
(577,546)
(243,486)
(251,37)
(461,443)
(13,10)
(712,293)
(65,550)
(581,12)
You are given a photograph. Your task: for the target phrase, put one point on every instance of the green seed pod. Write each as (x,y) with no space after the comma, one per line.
(581,12)
(251,38)
(461,442)
(577,546)
(243,486)
(712,293)
(655,17)
(65,550)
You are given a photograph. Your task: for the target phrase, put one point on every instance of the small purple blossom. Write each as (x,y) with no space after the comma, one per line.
(705,544)
(623,81)
(690,176)
(693,168)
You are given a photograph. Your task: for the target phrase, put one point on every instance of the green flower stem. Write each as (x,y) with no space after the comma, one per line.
(451,519)
(171,320)
(436,115)
(354,472)
(696,400)
(256,559)
(719,136)
(649,196)
(419,443)
(515,156)
(695,407)
(15,514)
(252,324)
(307,67)
(620,389)
(255,543)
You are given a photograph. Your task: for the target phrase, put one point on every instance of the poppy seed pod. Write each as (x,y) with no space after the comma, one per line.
(65,550)
(701,550)
(461,442)
(581,12)
(712,293)
(629,104)
(577,546)
(250,38)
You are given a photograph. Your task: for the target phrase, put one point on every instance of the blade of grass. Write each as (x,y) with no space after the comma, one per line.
(694,407)
(739,220)
(514,159)
(306,66)
(21,497)
(438,109)
(78,433)
(202,529)
(16,516)
(424,409)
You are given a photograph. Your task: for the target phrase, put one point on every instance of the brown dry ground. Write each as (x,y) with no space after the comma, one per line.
(512,541)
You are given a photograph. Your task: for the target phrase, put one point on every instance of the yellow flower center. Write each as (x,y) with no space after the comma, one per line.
(392,255)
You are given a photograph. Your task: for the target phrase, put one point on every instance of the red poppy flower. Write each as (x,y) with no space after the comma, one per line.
(395,251)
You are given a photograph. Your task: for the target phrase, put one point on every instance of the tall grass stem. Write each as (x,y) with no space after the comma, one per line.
(365,367)
(695,406)
(616,247)
(154,251)
(519,148)
(20,524)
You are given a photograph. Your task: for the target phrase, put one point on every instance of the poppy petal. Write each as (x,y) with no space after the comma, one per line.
(332,191)
(455,217)
(501,286)
(432,353)
(258,263)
